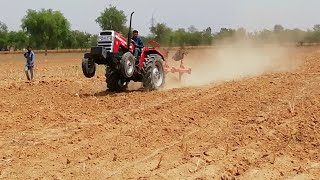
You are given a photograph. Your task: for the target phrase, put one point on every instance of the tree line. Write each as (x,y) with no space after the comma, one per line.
(193,37)
(49,29)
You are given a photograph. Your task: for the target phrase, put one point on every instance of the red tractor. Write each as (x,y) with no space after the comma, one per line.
(114,51)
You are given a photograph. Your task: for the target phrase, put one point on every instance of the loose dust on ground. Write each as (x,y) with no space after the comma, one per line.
(245,113)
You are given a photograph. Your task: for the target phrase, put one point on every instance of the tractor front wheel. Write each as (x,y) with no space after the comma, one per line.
(128,64)
(88,67)
(153,73)
(114,81)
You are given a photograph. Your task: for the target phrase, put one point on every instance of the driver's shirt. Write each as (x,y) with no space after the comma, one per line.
(138,41)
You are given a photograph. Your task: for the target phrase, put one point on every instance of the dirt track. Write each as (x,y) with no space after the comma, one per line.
(63,126)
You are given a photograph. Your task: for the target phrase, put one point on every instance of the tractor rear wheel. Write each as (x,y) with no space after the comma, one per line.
(88,67)
(153,73)
(114,81)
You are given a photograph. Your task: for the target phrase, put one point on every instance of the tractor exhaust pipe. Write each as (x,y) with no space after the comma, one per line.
(129,33)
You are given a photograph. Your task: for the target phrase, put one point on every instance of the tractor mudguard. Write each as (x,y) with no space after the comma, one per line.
(146,52)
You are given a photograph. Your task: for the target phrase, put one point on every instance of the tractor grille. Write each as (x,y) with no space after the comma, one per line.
(106,44)
(106,33)
(106,39)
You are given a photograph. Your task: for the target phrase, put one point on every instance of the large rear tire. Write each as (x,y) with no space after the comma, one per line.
(88,67)
(153,73)
(114,81)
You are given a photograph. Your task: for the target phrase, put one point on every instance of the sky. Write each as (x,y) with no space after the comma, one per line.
(251,14)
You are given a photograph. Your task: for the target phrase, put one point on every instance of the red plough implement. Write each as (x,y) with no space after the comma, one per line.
(181,70)
(178,56)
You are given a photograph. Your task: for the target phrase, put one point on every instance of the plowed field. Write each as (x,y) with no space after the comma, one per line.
(243,113)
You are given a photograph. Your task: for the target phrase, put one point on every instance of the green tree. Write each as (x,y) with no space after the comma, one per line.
(195,39)
(180,38)
(70,41)
(112,19)
(77,39)
(93,40)
(207,37)
(82,39)
(3,35)
(293,36)
(18,40)
(162,33)
(313,36)
(225,33)
(47,28)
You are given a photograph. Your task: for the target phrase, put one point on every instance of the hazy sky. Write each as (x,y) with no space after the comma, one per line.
(251,14)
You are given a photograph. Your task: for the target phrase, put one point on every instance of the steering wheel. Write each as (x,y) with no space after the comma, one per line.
(154,43)
(132,42)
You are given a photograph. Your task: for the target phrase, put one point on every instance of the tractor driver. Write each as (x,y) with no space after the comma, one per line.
(137,43)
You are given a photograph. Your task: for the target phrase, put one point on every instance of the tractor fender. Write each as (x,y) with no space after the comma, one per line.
(147,52)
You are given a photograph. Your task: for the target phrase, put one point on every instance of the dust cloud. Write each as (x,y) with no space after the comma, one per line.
(232,62)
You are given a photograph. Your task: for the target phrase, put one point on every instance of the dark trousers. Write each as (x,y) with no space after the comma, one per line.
(137,52)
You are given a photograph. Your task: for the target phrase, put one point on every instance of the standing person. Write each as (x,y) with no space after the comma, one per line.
(30,56)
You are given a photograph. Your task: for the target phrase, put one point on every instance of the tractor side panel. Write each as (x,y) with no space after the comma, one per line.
(122,42)
(117,44)
(142,58)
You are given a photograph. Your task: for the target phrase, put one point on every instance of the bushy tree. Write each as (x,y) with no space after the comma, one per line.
(50,29)
(180,37)
(93,40)
(162,33)
(77,39)
(225,33)
(3,35)
(70,41)
(207,37)
(82,39)
(113,19)
(47,28)
(17,40)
